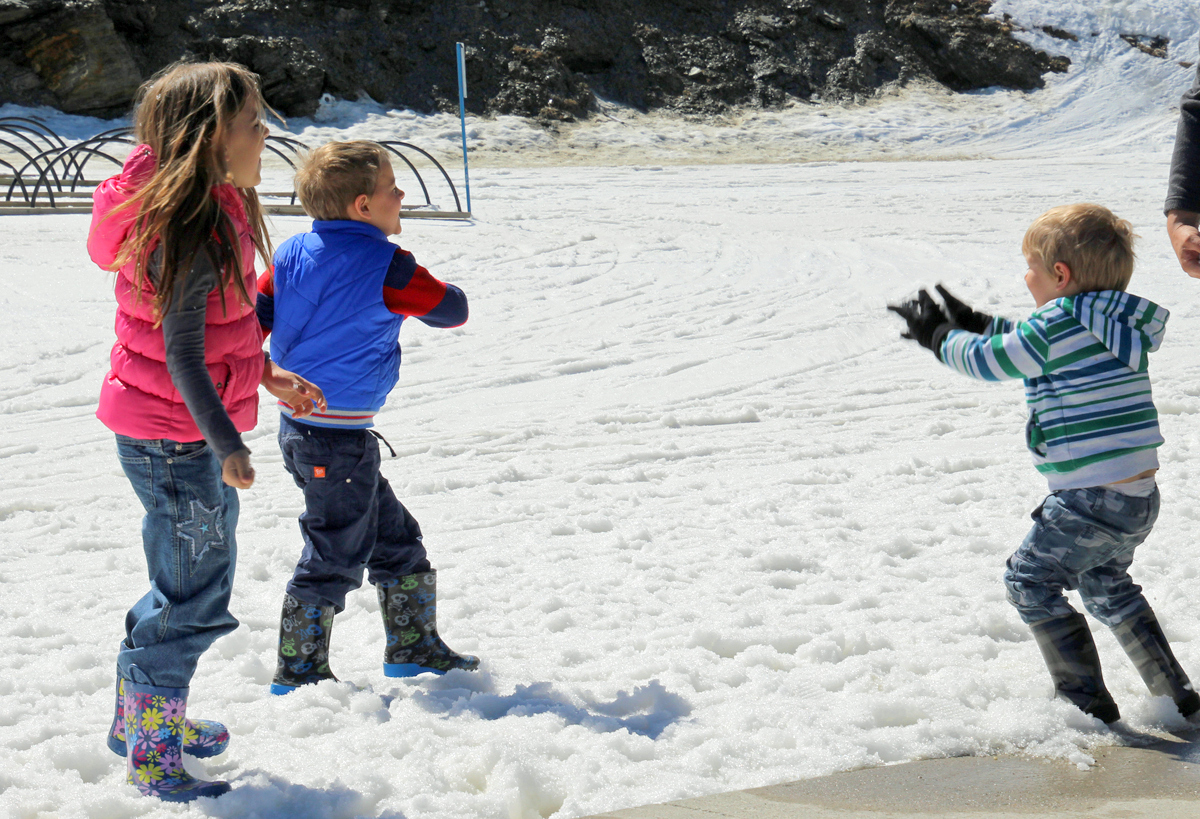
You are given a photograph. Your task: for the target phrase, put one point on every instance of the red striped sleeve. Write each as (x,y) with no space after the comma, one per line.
(409,289)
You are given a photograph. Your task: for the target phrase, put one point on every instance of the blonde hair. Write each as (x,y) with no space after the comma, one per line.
(1089,239)
(331,177)
(183,114)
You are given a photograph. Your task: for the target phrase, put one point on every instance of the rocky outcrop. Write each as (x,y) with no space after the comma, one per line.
(66,54)
(540,58)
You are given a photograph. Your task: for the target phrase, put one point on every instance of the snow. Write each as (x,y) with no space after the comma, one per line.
(708,521)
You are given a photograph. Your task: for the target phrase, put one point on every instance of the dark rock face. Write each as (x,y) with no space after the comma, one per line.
(538,58)
(66,54)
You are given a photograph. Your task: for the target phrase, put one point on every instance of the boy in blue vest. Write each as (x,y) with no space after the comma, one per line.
(333,305)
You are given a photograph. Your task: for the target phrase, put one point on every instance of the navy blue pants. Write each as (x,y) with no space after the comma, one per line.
(352,519)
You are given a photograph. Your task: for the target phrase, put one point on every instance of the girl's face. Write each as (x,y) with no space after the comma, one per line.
(244,141)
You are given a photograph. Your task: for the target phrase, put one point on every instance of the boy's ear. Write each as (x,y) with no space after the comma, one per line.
(360,207)
(1063,278)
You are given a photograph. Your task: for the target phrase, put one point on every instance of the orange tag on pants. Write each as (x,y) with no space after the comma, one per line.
(318,472)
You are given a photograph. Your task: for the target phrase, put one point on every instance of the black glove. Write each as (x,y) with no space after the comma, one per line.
(962,316)
(927,324)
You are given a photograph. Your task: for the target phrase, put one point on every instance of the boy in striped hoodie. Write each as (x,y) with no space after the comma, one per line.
(1093,433)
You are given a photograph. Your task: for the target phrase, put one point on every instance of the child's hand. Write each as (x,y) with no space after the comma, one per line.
(927,324)
(962,315)
(303,397)
(236,471)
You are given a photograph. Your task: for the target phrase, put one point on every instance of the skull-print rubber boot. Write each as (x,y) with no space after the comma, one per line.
(1070,654)
(303,645)
(202,738)
(1143,640)
(155,720)
(409,607)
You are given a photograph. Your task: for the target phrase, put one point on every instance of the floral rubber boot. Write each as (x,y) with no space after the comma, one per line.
(303,659)
(155,722)
(202,738)
(409,607)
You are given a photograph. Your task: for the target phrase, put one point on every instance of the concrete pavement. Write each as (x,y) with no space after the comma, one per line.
(1155,777)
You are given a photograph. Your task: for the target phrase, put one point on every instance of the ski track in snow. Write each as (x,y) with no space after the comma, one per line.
(708,521)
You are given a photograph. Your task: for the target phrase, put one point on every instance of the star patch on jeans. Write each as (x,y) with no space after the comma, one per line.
(201,530)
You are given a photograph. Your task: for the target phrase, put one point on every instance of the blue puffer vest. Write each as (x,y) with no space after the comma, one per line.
(331,325)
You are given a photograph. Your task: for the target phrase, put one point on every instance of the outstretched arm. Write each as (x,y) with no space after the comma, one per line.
(410,290)
(975,343)
(1006,350)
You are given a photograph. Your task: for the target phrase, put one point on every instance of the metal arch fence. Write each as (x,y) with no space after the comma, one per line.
(40,172)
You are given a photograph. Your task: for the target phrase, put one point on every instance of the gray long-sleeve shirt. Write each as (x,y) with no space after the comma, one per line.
(183,335)
(1183,191)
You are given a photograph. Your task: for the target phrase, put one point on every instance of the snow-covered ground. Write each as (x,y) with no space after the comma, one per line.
(708,521)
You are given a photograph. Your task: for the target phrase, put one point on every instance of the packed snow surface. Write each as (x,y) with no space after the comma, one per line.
(708,521)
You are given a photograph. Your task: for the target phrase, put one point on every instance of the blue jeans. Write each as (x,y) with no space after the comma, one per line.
(1081,539)
(352,519)
(188,536)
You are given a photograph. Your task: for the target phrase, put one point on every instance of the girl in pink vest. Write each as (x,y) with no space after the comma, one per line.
(180,226)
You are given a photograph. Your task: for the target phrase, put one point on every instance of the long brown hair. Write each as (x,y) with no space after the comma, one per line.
(183,114)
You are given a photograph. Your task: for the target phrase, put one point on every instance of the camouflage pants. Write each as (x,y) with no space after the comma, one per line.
(1081,539)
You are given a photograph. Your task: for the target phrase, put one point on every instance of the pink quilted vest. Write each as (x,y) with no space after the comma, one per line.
(138,398)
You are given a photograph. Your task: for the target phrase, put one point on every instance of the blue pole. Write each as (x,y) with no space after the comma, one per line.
(462,116)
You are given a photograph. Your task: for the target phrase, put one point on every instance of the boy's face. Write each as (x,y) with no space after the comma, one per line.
(1044,284)
(382,207)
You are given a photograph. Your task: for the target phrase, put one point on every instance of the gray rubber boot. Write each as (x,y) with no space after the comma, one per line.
(1070,654)
(1143,640)
(303,658)
(409,608)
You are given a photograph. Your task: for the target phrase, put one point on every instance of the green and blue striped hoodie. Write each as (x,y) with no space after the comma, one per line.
(1084,359)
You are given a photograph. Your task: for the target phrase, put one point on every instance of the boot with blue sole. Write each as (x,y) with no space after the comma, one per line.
(303,658)
(409,608)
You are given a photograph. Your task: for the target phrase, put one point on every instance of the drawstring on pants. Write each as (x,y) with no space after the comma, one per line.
(385,441)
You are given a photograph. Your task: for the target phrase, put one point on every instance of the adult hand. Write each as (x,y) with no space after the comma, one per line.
(303,397)
(236,471)
(1185,239)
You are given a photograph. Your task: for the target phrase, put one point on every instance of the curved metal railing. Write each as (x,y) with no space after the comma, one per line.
(42,171)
